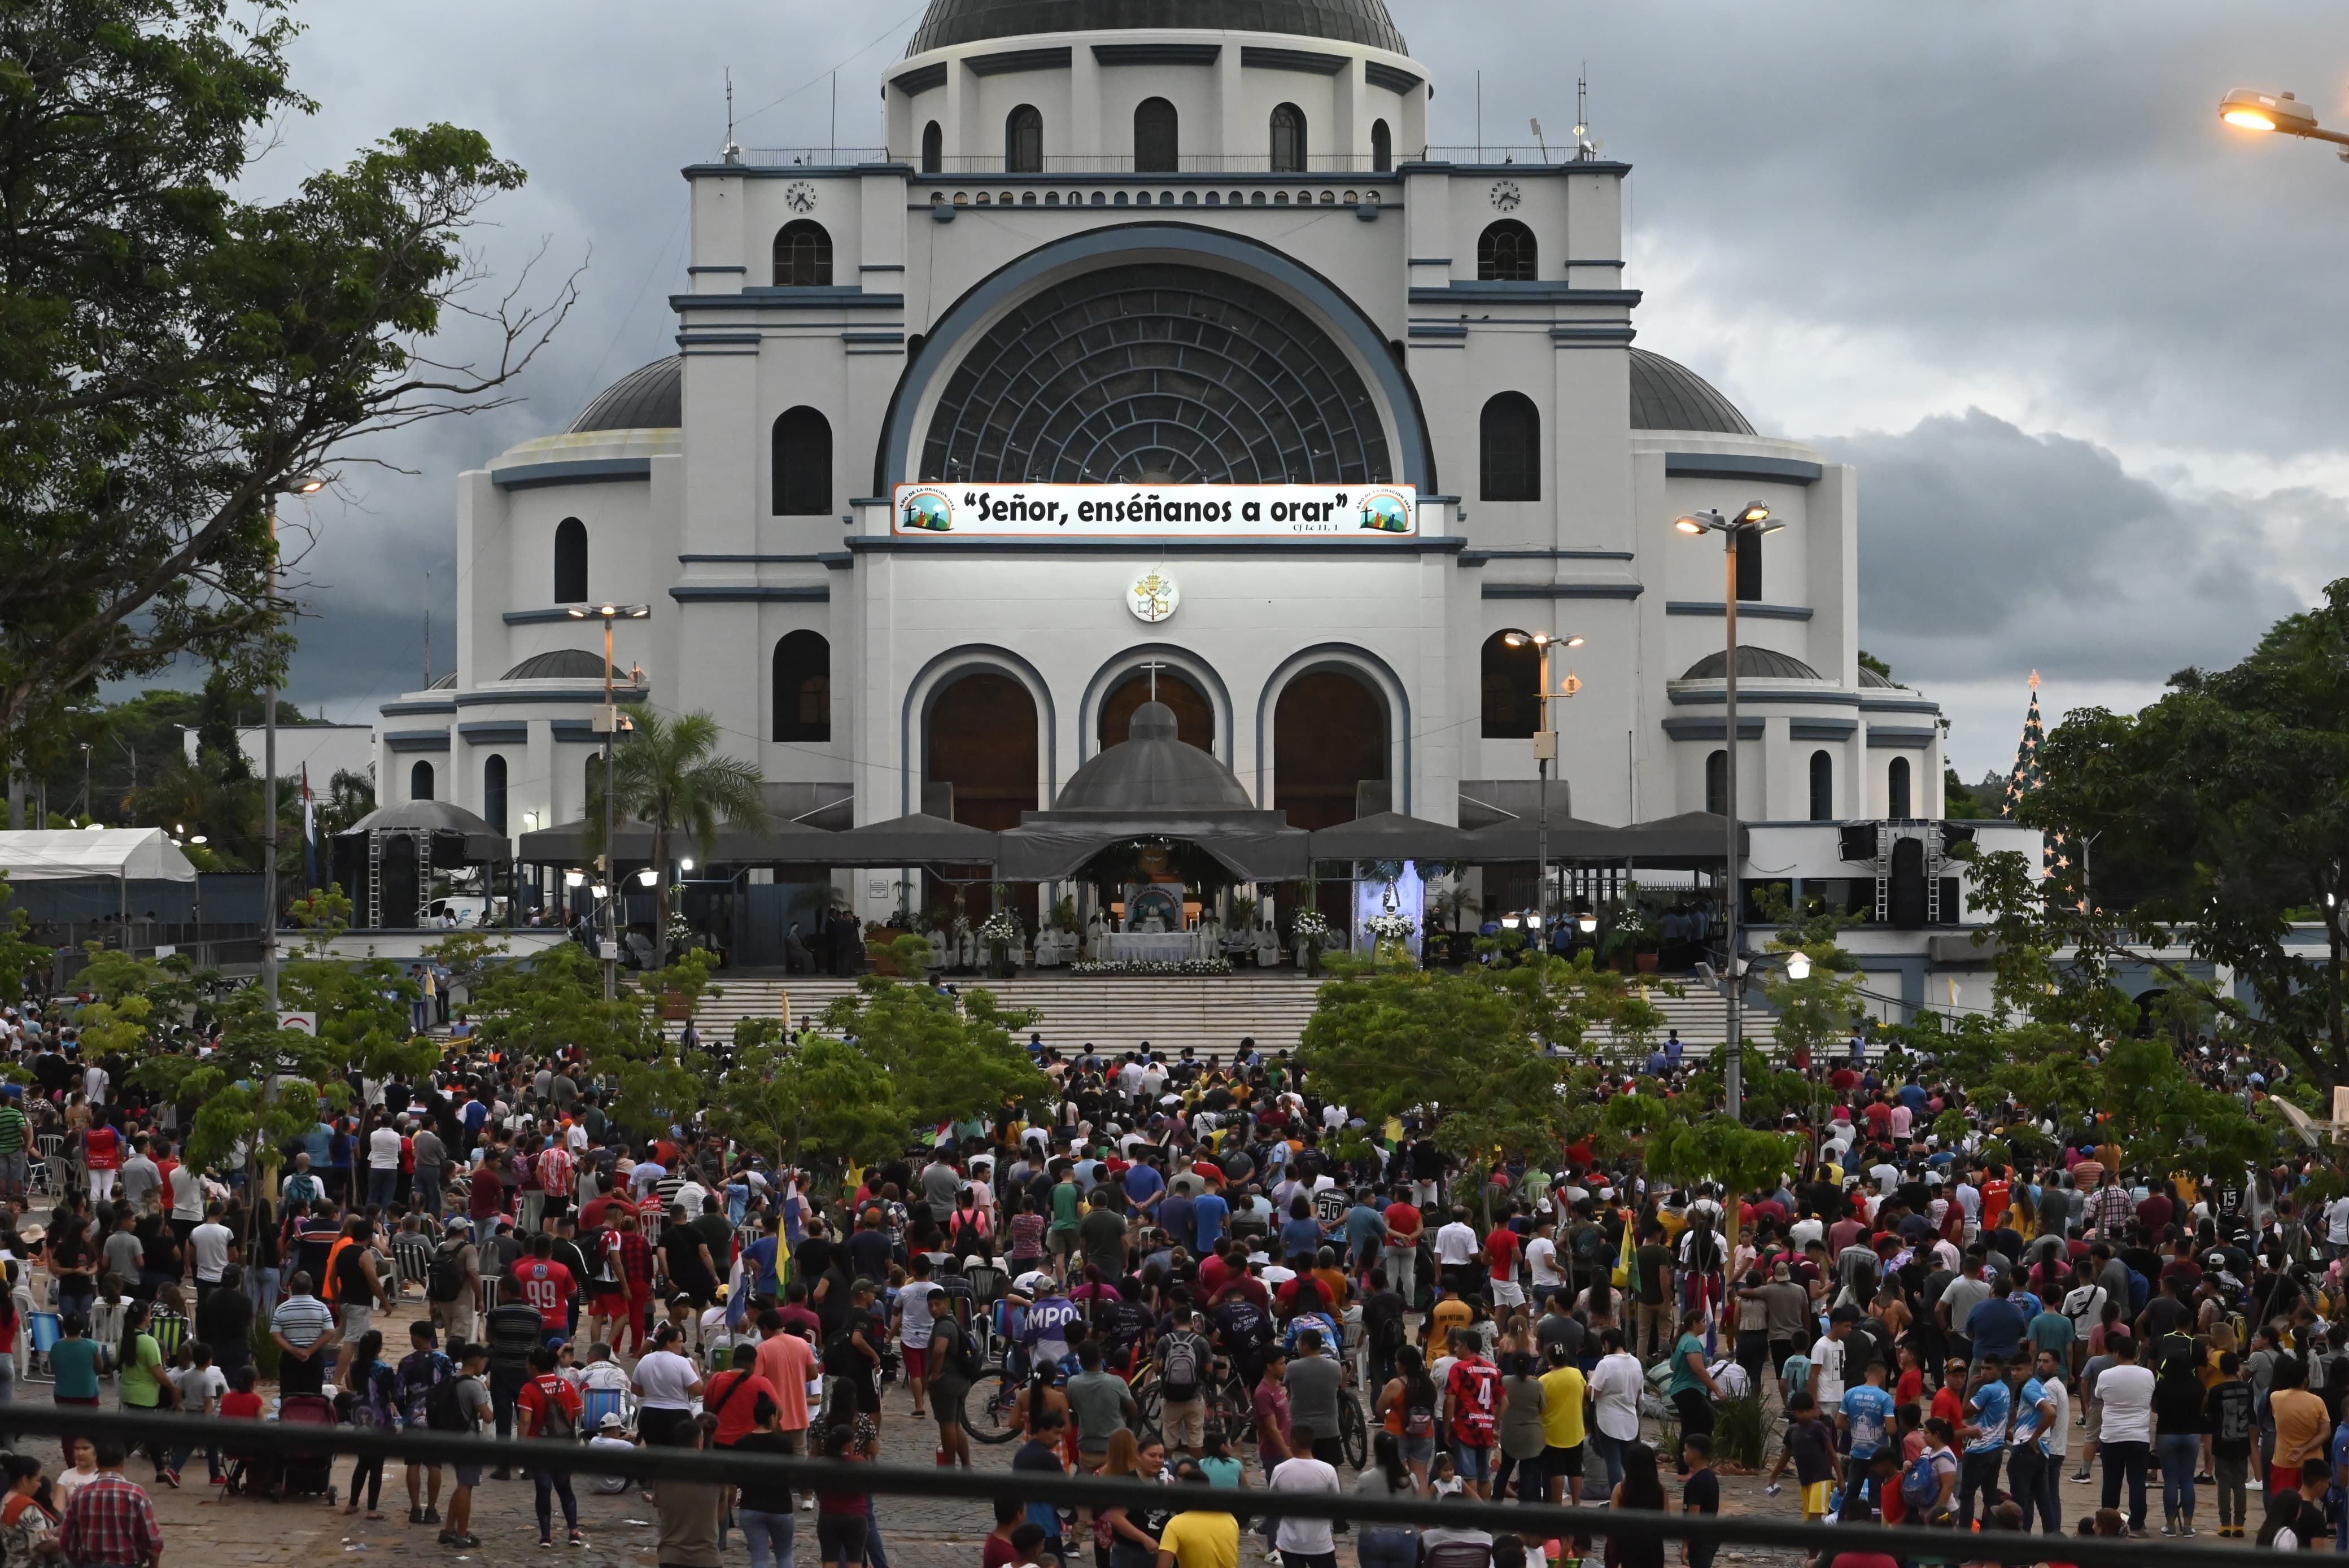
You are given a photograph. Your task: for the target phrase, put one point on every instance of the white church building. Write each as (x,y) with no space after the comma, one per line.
(1157,343)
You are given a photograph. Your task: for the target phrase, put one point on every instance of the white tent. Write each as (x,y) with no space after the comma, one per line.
(114,854)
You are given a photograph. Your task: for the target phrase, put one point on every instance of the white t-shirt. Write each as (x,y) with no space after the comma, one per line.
(1541,1264)
(1310,1537)
(662,1379)
(2336,1223)
(1827,1372)
(914,1326)
(1615,1385)
(2125,1391)
(383,1148)
(211,1243)
(610,1485)
(693,1197)
(1455,1244)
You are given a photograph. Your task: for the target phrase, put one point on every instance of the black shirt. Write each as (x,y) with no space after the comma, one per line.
(512,1331)
(769,1495)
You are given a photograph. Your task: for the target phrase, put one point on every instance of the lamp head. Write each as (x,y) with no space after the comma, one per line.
(600,890)
(649,876)
(1509,922)
(1798,965)
(309,483)
(1514,638)
(1696,523)
(685,862)
(637,612)
(1755,511)
(1586,922)
(574,879)
(200,838)
(2248,111)
(576,611)
(1573,640)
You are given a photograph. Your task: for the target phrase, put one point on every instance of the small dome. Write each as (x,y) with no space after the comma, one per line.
(1669,396)
(1768,662)
(651,398)
(1152,770)
(1868,678)
(446,682)
(1340,21)
(563,664)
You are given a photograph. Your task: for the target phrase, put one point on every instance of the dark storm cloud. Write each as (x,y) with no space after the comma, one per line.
(1854,217)
(1987,552)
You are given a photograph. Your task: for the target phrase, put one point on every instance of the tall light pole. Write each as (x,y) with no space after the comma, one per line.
(2257,111)
(607,721)
(300,484)
(1752,522)
(1545,753)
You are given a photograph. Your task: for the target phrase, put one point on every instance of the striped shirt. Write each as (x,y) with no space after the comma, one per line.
(13,1128)
(304,1320)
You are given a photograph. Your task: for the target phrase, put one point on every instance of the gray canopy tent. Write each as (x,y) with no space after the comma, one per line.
(778,843)
(1392,836)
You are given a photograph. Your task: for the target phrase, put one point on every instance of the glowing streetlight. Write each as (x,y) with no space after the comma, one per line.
(1544,740)
(1752,522)
(608,720)
(1798,965)
(2246,109)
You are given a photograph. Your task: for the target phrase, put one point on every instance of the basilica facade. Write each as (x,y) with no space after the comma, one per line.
(1156,344)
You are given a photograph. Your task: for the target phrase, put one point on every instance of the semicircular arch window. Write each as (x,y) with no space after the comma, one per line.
(1158,373)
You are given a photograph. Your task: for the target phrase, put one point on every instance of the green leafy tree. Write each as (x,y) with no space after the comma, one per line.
(22,960)
(671,777)
(947,1058)
(2219,816)
(1389,1038)
(1691,1146)
(819,1102)
(173,353)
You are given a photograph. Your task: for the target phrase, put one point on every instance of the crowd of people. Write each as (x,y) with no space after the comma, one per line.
(1196,1272)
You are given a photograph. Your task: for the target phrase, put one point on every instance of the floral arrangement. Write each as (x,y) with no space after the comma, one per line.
(1154,966)
(1002,926)
(1310,926)
(1390,927)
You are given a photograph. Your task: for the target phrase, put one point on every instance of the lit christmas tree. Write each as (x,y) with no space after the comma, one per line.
(2060,857)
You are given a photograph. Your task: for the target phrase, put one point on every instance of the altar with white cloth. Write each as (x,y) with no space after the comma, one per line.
(1152,946)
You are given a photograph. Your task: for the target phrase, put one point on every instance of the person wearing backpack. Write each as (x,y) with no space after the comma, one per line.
(453,1282)
(1181,1355)
(421,1371)
(952,1368)
(550,1408)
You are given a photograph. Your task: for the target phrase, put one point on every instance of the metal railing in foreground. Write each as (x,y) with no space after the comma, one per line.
(245,1439)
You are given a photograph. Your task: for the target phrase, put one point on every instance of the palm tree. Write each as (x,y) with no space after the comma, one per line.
(669,777)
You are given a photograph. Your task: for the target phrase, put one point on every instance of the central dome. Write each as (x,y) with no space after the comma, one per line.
(1153,772)
(1340,21)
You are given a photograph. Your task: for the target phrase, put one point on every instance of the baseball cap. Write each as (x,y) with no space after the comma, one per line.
(611,1423)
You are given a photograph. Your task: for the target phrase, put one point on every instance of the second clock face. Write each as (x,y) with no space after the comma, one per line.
(801,197)
(1504,195)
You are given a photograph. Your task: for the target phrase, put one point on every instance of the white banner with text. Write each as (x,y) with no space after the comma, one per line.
(1105,512)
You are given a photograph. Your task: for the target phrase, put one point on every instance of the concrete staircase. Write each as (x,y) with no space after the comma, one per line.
(1209,1014)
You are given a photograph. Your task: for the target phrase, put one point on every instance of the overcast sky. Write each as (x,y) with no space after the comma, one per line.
(2083,341)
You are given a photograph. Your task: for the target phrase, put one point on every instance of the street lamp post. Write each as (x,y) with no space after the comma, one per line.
(1754,521)
(1545,753)
(607,721)
(2246,109)
(301,484)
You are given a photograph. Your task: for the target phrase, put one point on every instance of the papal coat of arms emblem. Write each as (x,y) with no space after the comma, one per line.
(1153,597)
